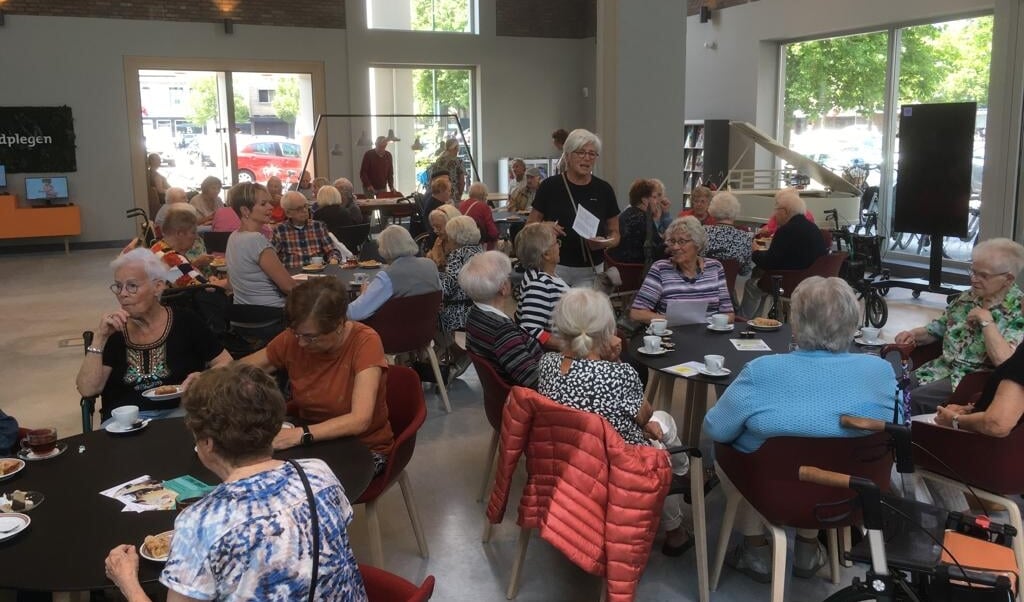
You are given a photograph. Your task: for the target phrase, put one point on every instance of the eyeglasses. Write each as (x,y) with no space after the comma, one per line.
(131,287)
(586,154)
(984,275)
(309,339)
(677,241)
(301,208)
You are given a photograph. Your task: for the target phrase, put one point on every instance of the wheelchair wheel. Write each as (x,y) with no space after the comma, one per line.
(862,592)
(876,310)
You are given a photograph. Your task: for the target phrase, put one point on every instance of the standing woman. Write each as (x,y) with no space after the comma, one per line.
(157,184)
(558,200)
(450,162)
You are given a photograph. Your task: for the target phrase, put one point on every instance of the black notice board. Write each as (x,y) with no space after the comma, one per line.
(37,139)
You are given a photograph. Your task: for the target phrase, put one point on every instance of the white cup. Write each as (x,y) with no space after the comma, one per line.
(359,277)
(125,416)
(659,325)
(652,344)
(720,320)
(316,260)
(714,363)
(869,334)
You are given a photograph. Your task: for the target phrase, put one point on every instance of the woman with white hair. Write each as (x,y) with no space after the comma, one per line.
(332,212)
(438,241)
(979,330)
(465,236)
(405,275)
(538,248)
(490,333)
(725,240)
(684,277)
(782,395)
(587,375)
(142,344)
(560,199)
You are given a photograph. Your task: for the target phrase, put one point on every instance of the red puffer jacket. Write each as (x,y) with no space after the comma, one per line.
(593,496)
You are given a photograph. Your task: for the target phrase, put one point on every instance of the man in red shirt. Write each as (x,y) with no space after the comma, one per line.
(276,188)
(378,171)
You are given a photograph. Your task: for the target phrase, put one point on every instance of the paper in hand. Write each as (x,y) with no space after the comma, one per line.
(681,311)
(586,223)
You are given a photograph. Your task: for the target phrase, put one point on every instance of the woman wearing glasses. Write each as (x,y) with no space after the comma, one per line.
(685,276)
(142,344)
(561,199)
(980,328)
(336,368)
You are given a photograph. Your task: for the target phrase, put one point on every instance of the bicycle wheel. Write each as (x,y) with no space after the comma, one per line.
(875,309)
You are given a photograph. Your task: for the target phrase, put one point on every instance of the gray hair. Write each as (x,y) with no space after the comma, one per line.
(532,242)
(145,259)
(478,191)
(689,226)
(724,206)
(789,199)
(577,139)
(343,185)
(824,313)
(175,194)
(484,274)
(211,182)
(462,231)
(438,213)
(394,242)
(293,199)
(584,321)
(1006,255)
(327,196)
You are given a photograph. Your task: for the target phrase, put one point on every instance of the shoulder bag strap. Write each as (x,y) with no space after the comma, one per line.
(583,243)
(316,528)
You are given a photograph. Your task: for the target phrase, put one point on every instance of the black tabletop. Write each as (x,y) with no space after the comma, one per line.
(75,527)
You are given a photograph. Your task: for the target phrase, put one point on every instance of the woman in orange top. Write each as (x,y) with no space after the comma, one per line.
(336,368)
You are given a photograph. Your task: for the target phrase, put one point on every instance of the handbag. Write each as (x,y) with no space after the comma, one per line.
(316,528)
(601,284)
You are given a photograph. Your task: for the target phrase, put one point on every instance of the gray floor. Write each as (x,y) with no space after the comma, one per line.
(49,299)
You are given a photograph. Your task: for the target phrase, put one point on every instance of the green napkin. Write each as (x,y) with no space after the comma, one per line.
(188,487)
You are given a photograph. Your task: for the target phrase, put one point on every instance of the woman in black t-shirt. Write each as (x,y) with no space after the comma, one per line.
(1001,405)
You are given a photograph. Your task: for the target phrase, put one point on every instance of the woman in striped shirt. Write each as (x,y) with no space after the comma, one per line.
(537,247)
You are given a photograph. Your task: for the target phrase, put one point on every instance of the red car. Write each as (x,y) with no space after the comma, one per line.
(258,160)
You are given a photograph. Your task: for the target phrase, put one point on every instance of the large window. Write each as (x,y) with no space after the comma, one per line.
(836,110)
(458,16)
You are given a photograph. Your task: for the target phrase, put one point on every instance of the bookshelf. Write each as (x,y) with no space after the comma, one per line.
(705,153)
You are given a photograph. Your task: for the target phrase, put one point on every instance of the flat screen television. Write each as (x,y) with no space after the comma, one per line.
(47,191)
(3,177)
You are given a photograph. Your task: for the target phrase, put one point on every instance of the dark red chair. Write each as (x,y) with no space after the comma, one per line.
(496,391)
(406,412)
(407,324)
(631,276)
(732,271)
(826,266)
(382,586)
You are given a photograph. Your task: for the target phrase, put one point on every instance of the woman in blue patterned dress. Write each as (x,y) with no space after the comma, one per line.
(251,538)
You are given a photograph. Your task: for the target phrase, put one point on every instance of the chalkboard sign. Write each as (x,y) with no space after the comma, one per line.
(37,139)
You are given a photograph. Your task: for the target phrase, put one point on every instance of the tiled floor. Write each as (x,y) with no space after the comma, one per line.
(49,299)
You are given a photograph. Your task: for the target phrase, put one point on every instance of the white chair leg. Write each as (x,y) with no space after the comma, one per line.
(700,527)
(732,504)
(488,531)
(373,527)
(437,377)
(845,544)
(778,537)
(492,467)
(517,568)
(414,516)
(833,554)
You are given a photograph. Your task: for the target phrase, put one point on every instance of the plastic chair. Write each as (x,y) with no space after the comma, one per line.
(631,277)
(732,270)
(496,392)
(406,413)
(768,480)
(382,586)
(407,324)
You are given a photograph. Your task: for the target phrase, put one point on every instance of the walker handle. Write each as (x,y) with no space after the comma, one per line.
(866,424)
(813,474)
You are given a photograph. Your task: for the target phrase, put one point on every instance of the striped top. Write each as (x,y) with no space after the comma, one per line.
(666,283)
(537,297)
(513,353)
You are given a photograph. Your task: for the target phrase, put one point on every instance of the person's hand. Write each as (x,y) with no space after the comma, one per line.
(288,437)
(363,287)
(333,261)
(906,338)
(614,350)
(653,430)
(189,380)
(370,192)
(958,409)
(559,230)
(115,321)
(218,281)
(763,233)
(978,315)
(202,261)
(122,567)
(944,416)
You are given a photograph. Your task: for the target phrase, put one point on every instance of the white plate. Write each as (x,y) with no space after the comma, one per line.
(666,333)
(643,351)
(115,429)
(705,372)
(144,552)
(875,343)
(764,328)
(12,523)
(728,328)
(27,454)
(20,467)
(151,394)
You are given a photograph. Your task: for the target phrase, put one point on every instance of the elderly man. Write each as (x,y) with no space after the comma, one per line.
(477,208)
(173,195)
(299,239)
(207,202)
(305,186)
(521,198)
(377,172)
(276,190)
(490,332)
(796,245)
(348,200)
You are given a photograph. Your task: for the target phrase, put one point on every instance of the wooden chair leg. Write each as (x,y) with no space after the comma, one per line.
(437,377)
(833,554)
(488,531)
(845,544)
(732,504)
(414,516)
(492,467)
(700,527)
(517,568)
(778,537)
(373,526)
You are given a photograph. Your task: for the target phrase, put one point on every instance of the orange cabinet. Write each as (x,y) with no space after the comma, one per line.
(31,222)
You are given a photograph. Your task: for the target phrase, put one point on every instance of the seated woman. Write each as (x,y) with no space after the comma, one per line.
(336,368)
(179,230)
(537,248)
(143,345)
(700,199)
(490,333)
(440,245)
(333,213)
(980,329)
(256,273)
(999,409)
(405,275)
(684,276)
(802,394)
(464,234)
(725,240)
(587,375)
(642,223)
(251,537)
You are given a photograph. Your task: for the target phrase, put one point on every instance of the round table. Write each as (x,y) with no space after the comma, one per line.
(75,527)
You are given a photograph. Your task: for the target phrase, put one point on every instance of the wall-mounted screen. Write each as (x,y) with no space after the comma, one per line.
(46,190)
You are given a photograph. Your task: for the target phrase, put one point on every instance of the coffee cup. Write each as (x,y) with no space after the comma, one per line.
(125,416)
(40,441)
(659,325)
(652,344)
(714,363)
(316,260)
(720,320)
(359,277)
(869,334)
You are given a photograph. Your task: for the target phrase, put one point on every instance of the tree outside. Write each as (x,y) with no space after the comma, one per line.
(440,15)
(203,102)
(286,100)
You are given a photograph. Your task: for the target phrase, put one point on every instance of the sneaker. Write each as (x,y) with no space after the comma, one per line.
(753,561)
(808,558)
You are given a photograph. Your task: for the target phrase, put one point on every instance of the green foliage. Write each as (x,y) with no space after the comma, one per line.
(286,99)
(452,89)
(440,15)
(203,102)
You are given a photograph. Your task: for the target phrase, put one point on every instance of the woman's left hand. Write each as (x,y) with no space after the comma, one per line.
(122,567)
(288,437)
(189,380)
(653,430)
(944,416)
(979,315)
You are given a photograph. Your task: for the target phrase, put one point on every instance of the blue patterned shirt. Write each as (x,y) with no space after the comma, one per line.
(251,540)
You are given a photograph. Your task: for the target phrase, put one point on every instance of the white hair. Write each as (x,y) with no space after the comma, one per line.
(293,199)
(789,199)
(484,274)
(824,313)
(394,242)
(145,259)
(584,321)
(462,231)
(691,227)
(724,206)
(577,139)
(478,191)
(1005,254)
(532,242)
(327,196)
(175,194)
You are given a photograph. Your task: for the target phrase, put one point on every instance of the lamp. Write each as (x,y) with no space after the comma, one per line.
(417,145)
(392,137)
(229,26)
(336,150)
(363,140)
(705,14)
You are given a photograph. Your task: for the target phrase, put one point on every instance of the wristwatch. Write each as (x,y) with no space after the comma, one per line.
(307,436)
(956,422)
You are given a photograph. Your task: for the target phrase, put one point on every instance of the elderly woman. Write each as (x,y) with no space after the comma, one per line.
(782,395)
(143,345)
(517,174)
(979,330)
(207,202)
(537,248)
(700,200)
(642,223)
(179,230)
(235,413)
(438,241)
(450,162)
(587,375)
(405,276)
(725,240)
(477,208)
(490,333)
(332,213)
(999,409)
(336,368)
(464,234)
(685,277)
(255,272)
(557,201)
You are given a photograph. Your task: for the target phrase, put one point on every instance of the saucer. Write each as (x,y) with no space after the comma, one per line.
(643,351)
(12,467)
(864,343)
(12,523)
(27,454)
(152,394)
(706,372)
(116,429)
(728,328)
(144,550)
(665,333)
(763,328)
(314,267)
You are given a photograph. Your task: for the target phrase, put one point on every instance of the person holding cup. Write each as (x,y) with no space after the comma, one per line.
(405,275)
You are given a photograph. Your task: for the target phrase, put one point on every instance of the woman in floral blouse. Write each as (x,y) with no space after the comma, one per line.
(980,329)
(725,240)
